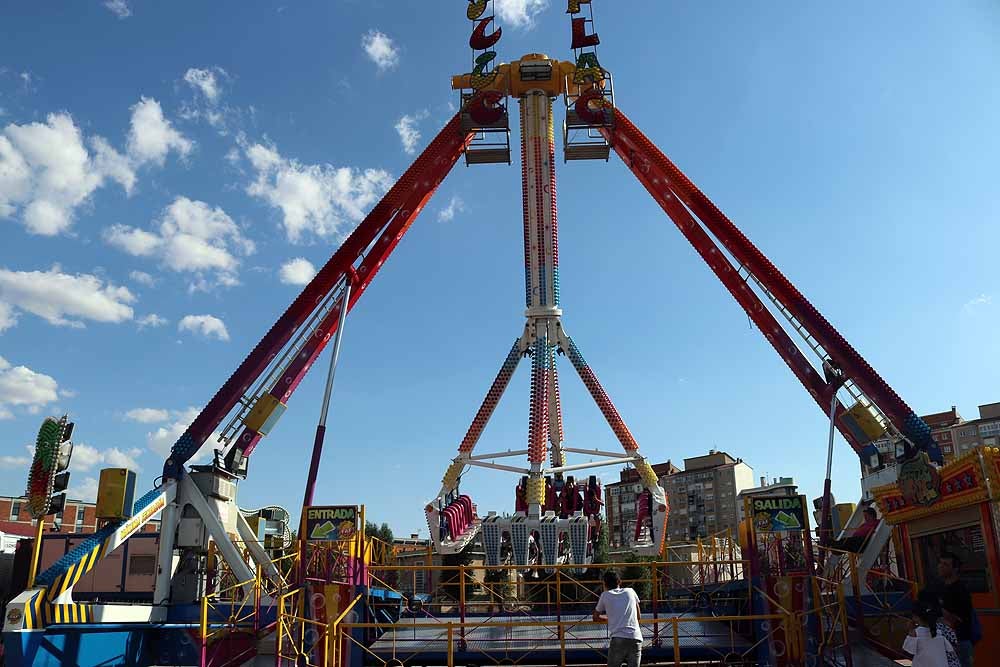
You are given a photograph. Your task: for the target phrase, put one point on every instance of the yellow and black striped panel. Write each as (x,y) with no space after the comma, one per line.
(38,614)
(67,580)
(62,614)
(33,611)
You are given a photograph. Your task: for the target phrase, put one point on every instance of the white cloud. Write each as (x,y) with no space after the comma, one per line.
(21,387)
(298,271)
(406,127)
(64,299)
(85,490)
(162,439)
(207,85)
(142,278)
(119,8)
(191,237)
(117,458)
(8,317)
(381,49)
(208,326)
(152,320)
(205,81)
(151,136)
(520,13)
(46,172)
(85,457)
(454,207)
(323,200)
(134,241)
(9,461)
(979,302)
(147,415)
(14,461)
(113,164)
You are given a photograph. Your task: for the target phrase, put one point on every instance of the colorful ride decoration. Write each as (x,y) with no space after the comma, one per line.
(45,464)
(955,508)
(782,566)
(555,520)
(549,520)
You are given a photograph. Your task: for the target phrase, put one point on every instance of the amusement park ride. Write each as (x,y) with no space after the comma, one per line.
(555,518)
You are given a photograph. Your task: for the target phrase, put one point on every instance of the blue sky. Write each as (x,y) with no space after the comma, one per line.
(160,163)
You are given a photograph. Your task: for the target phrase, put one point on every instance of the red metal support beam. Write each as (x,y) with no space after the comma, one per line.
(297,369)
(645,161)
(644,157)
(401,204)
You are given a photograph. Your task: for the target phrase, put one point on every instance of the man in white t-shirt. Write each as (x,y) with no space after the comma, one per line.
(620,608)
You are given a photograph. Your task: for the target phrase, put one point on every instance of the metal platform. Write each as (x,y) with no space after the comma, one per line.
(414,642)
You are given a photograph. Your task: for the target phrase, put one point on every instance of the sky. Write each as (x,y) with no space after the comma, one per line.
(171,174)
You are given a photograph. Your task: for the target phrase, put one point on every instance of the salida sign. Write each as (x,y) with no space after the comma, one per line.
(331,523)
(777,514)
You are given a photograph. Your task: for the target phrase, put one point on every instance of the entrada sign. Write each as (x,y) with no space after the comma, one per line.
(331,523)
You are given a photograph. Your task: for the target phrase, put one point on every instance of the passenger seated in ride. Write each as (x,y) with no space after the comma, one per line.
(859,538)
(571,499)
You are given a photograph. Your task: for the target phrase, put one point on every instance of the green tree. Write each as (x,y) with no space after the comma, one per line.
(383,532)
(638,574)
(601,549)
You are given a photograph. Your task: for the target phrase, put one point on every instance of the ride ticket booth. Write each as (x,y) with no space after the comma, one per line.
(957,509)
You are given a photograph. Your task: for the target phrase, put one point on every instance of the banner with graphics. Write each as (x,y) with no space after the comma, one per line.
(778,514)
(330,523)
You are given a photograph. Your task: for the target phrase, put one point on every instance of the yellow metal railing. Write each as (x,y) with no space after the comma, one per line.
(466,588)
(234,609)
(507,637)
(308,640)
(557,601)
(876,614)
(379,552)
(831,609)
(305,642)
(565,591)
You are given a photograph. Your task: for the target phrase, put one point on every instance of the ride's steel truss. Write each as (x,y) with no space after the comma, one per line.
(258,391)
(560,519)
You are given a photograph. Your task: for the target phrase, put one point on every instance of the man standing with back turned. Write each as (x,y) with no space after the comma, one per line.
(956,602)
(620,608)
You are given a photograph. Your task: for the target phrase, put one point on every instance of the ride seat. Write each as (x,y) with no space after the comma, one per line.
(470,510)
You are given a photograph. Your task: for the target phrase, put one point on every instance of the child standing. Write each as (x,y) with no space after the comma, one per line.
(928,648)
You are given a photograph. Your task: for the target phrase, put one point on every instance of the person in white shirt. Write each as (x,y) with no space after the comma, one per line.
(924,643)
(619,607)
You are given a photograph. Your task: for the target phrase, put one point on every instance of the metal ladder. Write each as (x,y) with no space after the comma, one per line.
(855,392)
(291,351)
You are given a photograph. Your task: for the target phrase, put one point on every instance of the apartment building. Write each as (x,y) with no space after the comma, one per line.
(704,497)
(982,432)
(619,502)
(957,436)
(941,424)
